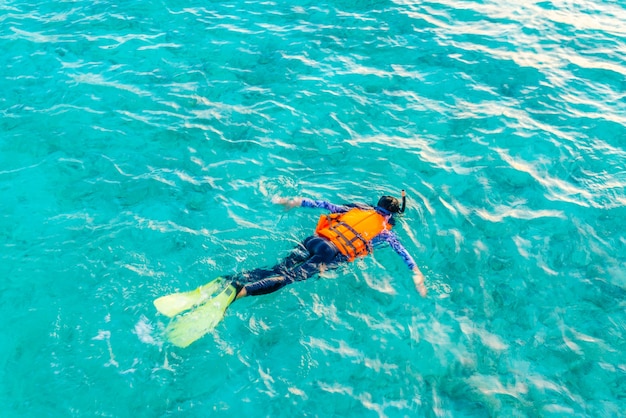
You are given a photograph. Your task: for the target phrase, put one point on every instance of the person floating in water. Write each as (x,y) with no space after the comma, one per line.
(348,232)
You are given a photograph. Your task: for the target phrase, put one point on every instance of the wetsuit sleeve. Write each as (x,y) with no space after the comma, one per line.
(322,204)
(394,242)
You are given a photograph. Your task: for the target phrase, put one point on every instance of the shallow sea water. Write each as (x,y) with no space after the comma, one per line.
(141,144)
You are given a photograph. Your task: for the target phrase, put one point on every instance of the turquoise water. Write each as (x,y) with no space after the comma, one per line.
(141,144)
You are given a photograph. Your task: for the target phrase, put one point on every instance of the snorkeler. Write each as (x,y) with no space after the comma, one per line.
(348,232)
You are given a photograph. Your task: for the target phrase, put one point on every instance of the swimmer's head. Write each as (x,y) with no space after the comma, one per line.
(390,204)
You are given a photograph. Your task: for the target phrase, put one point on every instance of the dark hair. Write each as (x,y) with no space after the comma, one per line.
(389,203)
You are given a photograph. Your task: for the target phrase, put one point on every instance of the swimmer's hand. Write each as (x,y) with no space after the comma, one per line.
(418,280)
(288,203)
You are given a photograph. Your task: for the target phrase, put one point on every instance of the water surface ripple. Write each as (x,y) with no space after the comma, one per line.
(141,144)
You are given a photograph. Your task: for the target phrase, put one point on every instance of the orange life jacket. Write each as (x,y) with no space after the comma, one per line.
(352,231)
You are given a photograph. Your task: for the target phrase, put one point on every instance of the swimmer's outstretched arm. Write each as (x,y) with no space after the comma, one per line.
(293,202)
(288,203)
(418,280)
(418,276)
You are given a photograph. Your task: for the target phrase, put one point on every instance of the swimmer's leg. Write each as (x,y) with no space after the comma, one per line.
(323,254)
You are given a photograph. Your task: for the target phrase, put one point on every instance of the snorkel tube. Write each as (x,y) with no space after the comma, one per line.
(403,201)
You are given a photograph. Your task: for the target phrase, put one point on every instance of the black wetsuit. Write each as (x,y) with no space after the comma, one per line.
(305,261)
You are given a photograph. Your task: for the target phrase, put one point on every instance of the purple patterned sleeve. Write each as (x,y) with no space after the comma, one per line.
(321,204)
(392,239)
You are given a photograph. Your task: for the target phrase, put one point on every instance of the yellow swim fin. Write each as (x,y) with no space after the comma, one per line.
(172,305)
(193,325)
